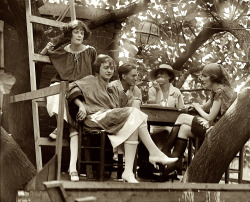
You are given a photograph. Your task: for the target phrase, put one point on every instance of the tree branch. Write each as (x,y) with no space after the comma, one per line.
(119,14)
(203,36)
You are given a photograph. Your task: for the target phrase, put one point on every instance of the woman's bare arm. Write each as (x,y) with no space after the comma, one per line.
(214,111)
(49,46)
(82,110)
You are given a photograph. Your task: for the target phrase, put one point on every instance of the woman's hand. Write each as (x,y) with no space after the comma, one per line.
(49,46)
(156,85)
(81,115)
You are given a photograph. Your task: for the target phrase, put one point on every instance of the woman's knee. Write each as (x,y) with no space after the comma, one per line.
(184,131)
(184,119)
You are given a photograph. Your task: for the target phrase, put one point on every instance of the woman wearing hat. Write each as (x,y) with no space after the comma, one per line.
(216,78)
(72,60)
(163,92)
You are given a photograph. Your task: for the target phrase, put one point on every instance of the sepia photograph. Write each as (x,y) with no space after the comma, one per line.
(125,100)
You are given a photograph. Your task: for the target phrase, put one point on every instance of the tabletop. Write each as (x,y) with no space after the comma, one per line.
(158,115)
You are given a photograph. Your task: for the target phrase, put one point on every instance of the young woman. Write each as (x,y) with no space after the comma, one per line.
(73,60)
(216,78)
(163,92)
(102,106)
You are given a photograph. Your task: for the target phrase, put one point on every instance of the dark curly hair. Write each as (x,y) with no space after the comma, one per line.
(66,36)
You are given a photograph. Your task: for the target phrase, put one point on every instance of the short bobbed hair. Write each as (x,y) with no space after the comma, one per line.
(101,59)
(66,36)
(125,69)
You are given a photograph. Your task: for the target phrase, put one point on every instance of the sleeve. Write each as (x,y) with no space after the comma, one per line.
(226,96)
(152,94)
(138,93)
(123,98)
(93,55)
(218,95)
(74,92)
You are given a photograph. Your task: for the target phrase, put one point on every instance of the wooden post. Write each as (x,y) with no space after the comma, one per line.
(33,86)
(1,44)
(72,9)
(60,121)
(102,155)
(241,165)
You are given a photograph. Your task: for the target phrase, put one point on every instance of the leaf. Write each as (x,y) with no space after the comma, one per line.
(190,16)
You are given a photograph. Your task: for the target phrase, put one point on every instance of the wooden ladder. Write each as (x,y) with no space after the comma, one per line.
(52,170)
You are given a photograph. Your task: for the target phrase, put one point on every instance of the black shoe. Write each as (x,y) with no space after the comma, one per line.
(150,175)
(171,176)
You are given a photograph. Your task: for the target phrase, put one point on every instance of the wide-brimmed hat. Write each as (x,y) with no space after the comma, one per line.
(165,67)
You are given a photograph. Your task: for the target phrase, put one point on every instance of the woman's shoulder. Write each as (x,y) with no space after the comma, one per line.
(173,88)
(224,92)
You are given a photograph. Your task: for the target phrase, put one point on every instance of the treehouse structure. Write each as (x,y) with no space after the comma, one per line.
(51,185)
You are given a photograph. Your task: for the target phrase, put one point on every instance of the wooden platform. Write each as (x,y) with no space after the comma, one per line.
(115,191)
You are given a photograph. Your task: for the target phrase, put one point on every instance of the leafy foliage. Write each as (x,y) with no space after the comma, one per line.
(180,23)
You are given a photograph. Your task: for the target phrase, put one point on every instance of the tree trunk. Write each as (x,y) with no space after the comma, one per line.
(16,169)
(223,142)
(20,123)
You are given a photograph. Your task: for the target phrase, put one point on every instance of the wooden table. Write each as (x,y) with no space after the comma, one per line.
(158,115)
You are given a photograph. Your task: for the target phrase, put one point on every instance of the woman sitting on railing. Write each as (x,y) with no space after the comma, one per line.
(102,106)
(72,60)
(216,78)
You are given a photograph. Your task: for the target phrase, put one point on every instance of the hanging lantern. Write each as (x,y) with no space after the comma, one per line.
(148,33)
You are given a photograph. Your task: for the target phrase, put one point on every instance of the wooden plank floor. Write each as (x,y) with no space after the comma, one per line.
(113,190)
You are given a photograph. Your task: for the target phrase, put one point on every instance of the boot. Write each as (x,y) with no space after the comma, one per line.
(179,149)
(171,140)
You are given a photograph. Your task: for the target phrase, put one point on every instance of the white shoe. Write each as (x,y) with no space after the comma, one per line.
(129,177)
(74,176)
(53,134)
(162,159)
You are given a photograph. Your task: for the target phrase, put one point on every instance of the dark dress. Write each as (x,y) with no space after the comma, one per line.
(106,109)
(70,67)
(199,124)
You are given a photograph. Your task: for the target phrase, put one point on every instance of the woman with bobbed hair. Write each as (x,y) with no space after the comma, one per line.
(216,78)
(104,106)
(72,60)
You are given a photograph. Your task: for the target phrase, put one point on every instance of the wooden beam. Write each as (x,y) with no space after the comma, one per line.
(1,44)
(44,141)
(52,90)
(60,122)
(82,12)
(56,191)
(45,21)
(41,58)
(72,9)
(143,186)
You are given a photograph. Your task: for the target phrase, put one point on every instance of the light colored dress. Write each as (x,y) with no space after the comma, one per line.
(70,67)
(171,101)
(106,109)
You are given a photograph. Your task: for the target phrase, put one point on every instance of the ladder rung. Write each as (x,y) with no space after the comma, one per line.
(41,102)
(41,58)
(90,162)
(45,21)
(44,141)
